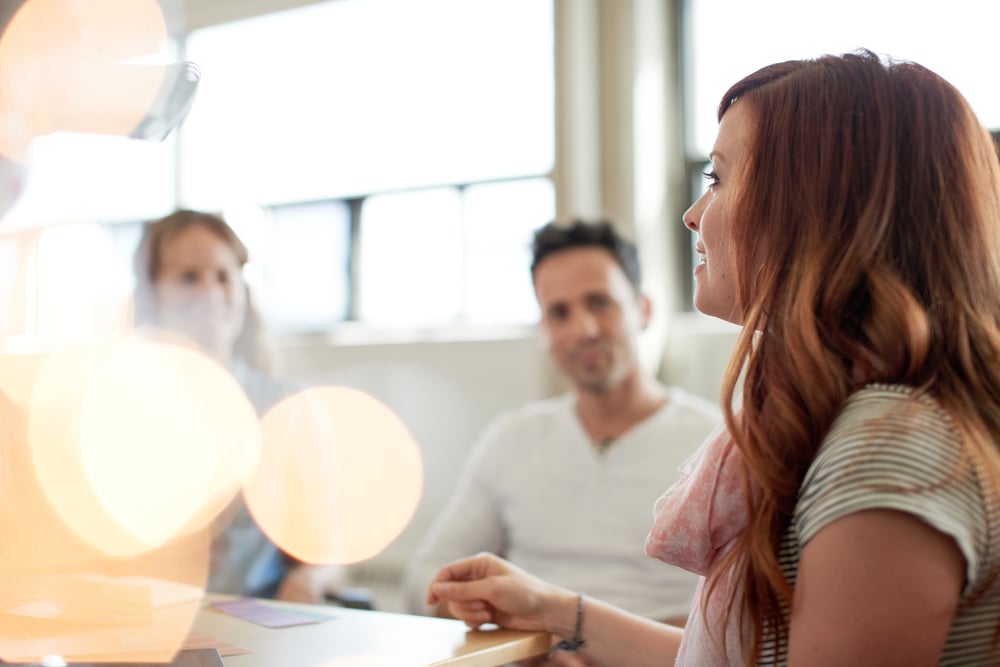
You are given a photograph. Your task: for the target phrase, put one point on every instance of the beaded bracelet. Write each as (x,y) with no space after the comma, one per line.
(575,642)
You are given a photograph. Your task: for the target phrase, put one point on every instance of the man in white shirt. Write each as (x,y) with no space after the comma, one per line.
(565,487)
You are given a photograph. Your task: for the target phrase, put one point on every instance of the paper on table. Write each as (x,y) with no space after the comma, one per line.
(255,611)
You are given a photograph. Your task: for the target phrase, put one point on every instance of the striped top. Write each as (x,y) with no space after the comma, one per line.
(893,449)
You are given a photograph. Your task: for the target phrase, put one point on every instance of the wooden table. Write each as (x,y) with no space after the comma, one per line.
(356,638)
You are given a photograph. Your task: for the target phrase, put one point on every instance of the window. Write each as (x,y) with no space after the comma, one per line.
(420,123)
(307,284)
(722,43)
(363,149)
(97,178)
(411,257)
(501,220)
(452,254)
(73,280)
(351,97)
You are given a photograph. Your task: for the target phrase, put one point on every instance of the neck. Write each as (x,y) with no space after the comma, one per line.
(608,414)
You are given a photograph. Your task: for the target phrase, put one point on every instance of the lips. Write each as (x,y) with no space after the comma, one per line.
(589,355)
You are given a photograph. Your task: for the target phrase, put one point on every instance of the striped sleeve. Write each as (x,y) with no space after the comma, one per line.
(890,449)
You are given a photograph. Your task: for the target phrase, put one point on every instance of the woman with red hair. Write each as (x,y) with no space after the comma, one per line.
(851,507)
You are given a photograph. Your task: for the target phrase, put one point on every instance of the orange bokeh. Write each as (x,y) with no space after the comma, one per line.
(64,67)
(60,595)
(135,442)
(340,476)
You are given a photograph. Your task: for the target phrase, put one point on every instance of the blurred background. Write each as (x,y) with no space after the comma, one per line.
(385,162)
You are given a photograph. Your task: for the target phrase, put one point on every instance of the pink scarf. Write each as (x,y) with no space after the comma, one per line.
(697,520)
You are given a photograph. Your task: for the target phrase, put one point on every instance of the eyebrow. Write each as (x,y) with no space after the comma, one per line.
(715,156)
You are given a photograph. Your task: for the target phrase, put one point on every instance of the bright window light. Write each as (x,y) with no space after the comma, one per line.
(83,288)
(411,261)
(357,96)
(501,219)
(77,178)
(306,281)
(728,39)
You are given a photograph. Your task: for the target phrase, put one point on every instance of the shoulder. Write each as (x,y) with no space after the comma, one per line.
(896,411)
(891,425)
(894,448)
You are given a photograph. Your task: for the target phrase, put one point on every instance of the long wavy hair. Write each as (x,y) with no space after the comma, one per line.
(251,344)
(868,232)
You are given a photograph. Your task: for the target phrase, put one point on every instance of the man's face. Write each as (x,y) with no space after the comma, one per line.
(591,317)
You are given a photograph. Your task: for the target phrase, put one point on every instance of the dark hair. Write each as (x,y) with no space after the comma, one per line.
(250,345)
(558,236)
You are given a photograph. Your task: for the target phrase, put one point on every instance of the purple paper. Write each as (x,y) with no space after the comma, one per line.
(254,611)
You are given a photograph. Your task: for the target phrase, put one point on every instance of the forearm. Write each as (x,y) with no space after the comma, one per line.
(613,636)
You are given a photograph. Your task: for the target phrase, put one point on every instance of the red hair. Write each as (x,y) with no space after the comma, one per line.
(868,230)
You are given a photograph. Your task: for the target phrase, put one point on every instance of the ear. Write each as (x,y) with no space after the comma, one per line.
(645,311)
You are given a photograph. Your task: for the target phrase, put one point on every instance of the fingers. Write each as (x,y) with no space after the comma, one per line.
(462,591)
(488,589)
(466,569)
(473,614)
(469,607)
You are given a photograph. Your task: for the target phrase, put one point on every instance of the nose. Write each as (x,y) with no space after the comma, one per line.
(211,293)
(692,216)
(585,325)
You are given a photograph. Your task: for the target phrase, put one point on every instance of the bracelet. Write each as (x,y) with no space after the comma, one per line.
(575,642)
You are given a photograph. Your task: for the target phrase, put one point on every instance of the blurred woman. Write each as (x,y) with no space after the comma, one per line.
(189,283)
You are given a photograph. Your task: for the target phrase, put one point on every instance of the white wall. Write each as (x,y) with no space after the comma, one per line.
(697,352)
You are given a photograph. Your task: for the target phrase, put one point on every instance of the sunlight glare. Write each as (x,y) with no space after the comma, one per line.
(60,595)
(340,476)
(136,442)
(64,66)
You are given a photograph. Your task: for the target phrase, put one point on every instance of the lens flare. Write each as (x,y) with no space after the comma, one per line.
(340,476)
(60,595)
(17,375)
(65,66)
(136,442)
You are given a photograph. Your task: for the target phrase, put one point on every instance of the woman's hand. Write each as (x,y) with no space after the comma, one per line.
(487,589)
